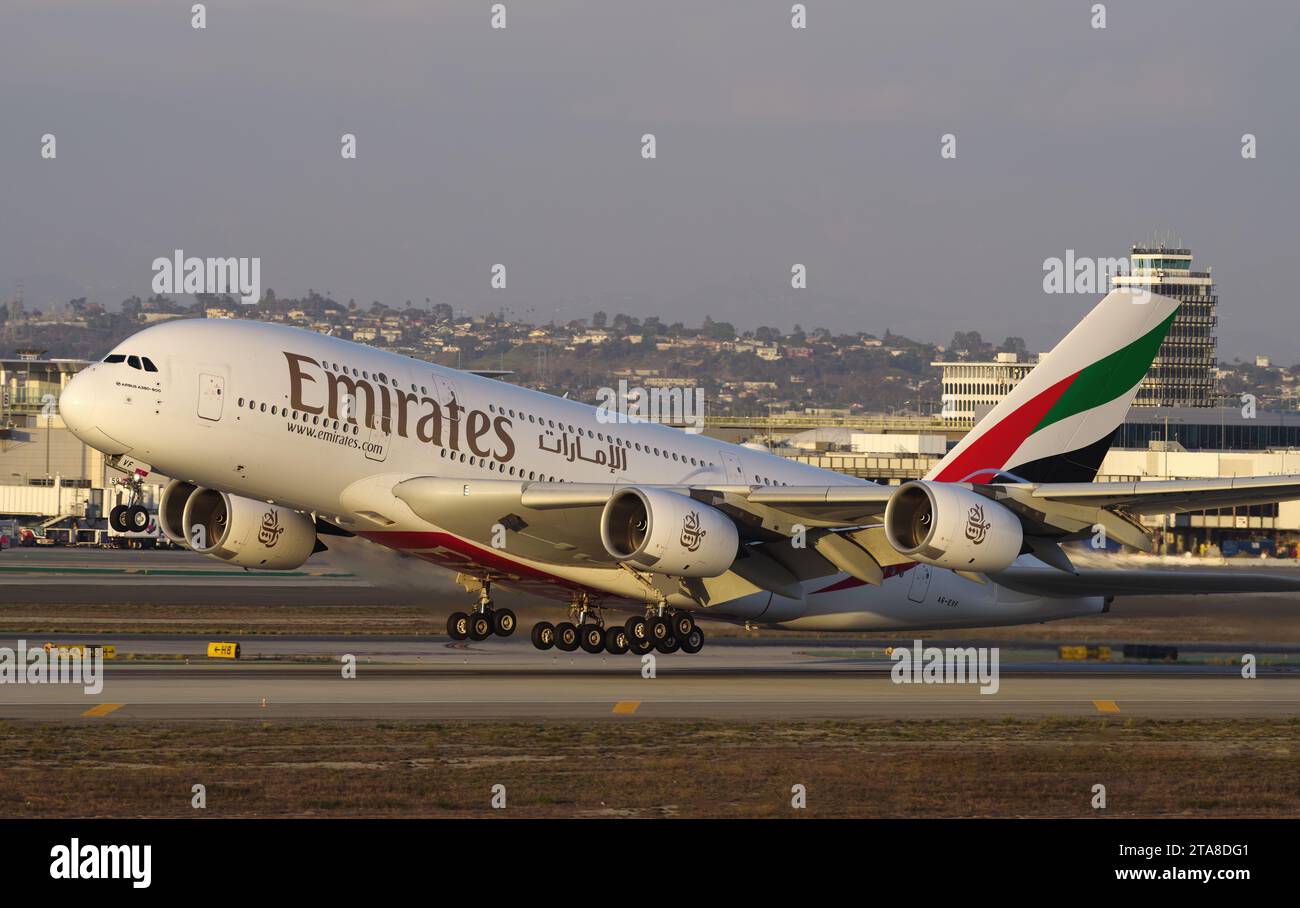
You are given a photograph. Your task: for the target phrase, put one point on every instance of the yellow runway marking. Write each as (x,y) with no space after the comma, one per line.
(1106,706)
(102,709)
(626,707)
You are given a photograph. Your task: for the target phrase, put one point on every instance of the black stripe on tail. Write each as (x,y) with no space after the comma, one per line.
(1080,465)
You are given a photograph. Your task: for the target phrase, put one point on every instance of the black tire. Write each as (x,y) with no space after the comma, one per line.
(504,622)
(480,626)
(637,629)
(667,645)
(117,518)
(694,641)
(682,624)
(591,638)
(543,635)
(660,629)
(458,626)
(616,642)
(566,636)
(641,647)
(137,519)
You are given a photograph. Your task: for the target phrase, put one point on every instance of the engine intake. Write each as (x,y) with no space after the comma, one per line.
(950,526)
(248,533)
(668,533)
(171,510)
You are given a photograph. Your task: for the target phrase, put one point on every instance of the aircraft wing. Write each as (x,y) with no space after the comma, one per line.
(1172,496)
(560,523)
(564,510)
(849,506)
(1139,581)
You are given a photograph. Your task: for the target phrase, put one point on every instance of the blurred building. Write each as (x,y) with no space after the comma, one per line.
(972,389)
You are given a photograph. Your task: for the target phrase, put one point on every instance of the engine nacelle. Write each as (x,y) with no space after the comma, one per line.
(171,510)
(668,533)
(248,533)
(951,526)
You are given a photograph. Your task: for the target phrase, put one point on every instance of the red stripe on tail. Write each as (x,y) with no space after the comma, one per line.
(994,448)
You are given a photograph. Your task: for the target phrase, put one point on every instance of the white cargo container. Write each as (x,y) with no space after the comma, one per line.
(889,443)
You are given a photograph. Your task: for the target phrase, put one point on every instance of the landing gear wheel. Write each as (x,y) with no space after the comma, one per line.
(503,622)
(637,629)
(591,638)
(117,518)
(682,624)
(643,646)
(667,645)
(566,636)
(543,635)
(693,642)
(660,629)
(458,626)
(480,626)
(137,518)
(616,642)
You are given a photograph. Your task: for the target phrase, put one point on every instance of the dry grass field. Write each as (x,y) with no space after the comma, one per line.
(644,768)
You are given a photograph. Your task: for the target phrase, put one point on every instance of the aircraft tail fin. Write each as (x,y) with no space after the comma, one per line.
(1057,424)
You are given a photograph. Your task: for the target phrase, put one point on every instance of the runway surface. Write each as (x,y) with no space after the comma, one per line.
(299,677)
(86,576)
(431,679)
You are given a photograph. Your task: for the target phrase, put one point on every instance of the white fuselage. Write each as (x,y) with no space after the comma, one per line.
(327,426)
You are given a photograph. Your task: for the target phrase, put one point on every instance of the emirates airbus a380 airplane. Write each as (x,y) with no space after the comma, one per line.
(278,440)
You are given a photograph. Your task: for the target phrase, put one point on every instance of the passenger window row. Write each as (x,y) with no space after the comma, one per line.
(495,466)
(314,419)
(444,453)
(601,436)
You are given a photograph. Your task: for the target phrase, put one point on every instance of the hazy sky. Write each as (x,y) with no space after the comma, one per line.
(775,146)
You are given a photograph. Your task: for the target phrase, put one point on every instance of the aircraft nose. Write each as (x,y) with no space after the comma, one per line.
(77,403)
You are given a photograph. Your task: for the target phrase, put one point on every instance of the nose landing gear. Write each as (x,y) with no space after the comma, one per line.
(132,517)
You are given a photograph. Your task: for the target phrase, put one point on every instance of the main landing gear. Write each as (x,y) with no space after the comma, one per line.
(132,517)
(661,629)
(484,621)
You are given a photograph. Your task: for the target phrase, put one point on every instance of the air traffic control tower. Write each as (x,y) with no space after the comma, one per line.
(1183,372)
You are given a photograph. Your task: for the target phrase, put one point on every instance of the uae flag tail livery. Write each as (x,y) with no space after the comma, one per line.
(1058,423)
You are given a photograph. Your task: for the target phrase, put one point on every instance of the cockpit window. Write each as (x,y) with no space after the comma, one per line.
(135,362)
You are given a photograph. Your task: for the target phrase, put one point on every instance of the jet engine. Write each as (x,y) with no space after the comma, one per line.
(668,533)
(248,533)
(950,526)
(171,510)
